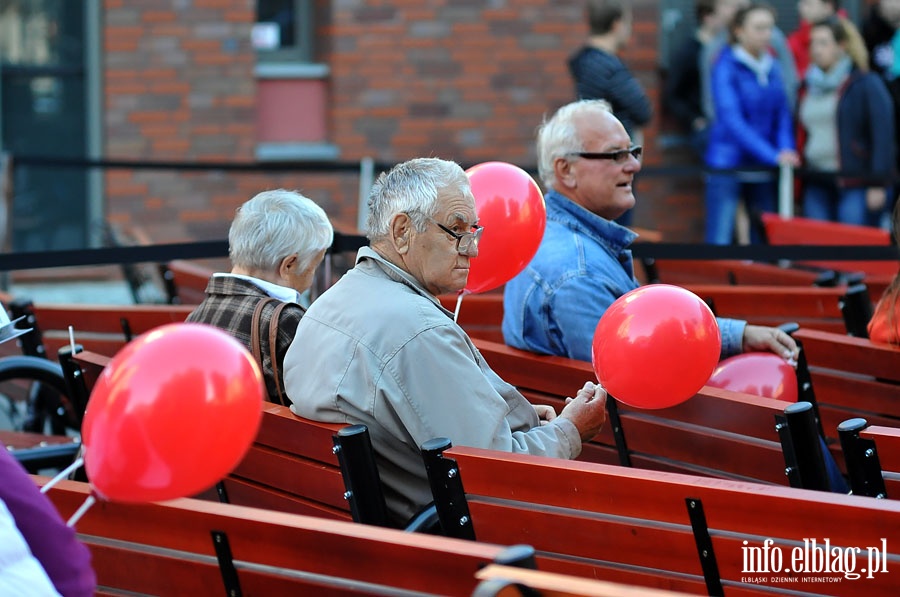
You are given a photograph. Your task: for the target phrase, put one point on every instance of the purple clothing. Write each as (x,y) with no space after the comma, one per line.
(66,560)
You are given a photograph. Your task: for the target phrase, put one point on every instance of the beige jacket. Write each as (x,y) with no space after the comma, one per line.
(378,349)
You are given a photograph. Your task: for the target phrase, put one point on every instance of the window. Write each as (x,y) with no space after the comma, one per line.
(283,31)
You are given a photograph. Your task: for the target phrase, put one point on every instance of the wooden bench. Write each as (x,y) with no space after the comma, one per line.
(717,432)
(481,315)
(810,307)
(290,467)
(804,231)
(665,530)
(185,282)
(850,377)
(733,272)
(171,549)
(101,328)
(507,581)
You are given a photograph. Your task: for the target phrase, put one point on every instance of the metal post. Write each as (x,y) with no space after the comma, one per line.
(856,308)
(807,446)
(362,483)
(447,490)
(366,177)
(861,457)
(786,191)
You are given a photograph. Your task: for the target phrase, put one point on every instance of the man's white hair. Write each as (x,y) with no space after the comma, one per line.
(274,225)
(413,188)
(558,136)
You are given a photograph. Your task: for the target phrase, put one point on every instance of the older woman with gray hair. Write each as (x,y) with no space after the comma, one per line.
(276,241)
(378,349)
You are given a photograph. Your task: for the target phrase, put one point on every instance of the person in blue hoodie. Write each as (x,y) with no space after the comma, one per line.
(753,128)
(847,125)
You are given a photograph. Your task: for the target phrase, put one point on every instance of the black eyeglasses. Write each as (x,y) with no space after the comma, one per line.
(617,156)
(464,241)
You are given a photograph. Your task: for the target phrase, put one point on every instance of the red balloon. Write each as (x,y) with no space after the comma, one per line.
(761,373)
(172,413)
(656,346)
(511,208)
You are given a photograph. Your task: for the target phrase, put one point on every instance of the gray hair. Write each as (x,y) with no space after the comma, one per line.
(558,136)
(413,188)
(274,225)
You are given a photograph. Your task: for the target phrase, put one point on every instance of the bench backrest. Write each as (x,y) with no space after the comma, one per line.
(852,377)
(186,281)
(290,467)
(651,528)
(733,272)
(99,328)
(811,307)
(169,549)
(717,432)
(805,231)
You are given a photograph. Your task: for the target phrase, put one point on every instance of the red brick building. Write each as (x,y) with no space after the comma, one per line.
(225,80)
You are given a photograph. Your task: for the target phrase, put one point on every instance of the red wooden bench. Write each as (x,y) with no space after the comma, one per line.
(669,531)
(717,432)
(186,281)
(851,377)
(101,328)
(171,549)
(804,231)
(684,272)
(810,307)
(481,315)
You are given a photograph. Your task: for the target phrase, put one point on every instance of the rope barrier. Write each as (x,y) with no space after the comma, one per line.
(163,253)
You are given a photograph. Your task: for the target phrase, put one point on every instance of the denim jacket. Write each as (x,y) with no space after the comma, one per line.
(582,266)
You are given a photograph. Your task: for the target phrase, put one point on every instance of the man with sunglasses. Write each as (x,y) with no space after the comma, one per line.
(588,164)
(378,349)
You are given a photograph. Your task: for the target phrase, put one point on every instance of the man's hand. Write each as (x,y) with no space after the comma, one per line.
(759,338)
(587,410)
(545,413)
(876,197)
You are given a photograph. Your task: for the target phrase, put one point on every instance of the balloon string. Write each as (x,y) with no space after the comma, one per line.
(90,501)
(65,473)
(459,299)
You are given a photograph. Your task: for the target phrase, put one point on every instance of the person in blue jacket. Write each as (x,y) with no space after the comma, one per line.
(847,126)
(753,128)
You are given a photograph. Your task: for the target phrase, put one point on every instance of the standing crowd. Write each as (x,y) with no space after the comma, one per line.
(823,99)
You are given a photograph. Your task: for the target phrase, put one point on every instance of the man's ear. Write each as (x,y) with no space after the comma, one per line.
(289,263)
(565,175)
(401,229)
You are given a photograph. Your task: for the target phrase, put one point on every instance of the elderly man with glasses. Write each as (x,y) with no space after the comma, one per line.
(377,348)
(588,165)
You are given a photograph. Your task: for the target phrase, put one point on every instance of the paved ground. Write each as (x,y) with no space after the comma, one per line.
(107,293)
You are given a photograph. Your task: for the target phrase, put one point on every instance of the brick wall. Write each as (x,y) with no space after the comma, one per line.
(461,79)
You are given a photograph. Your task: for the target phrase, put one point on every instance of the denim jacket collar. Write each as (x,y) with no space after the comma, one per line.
(615,237)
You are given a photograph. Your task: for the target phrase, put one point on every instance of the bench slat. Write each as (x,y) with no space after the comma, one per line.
(353,551)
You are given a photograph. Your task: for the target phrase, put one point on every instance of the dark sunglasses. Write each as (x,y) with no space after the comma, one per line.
(617,156)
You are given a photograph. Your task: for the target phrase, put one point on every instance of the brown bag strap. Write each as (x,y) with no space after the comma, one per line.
(273,340)
(254,331)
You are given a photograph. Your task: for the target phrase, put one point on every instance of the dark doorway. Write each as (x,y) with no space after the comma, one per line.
(43,114)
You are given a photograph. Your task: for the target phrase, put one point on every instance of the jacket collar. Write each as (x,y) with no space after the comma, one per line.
(367,255)
(565,211)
